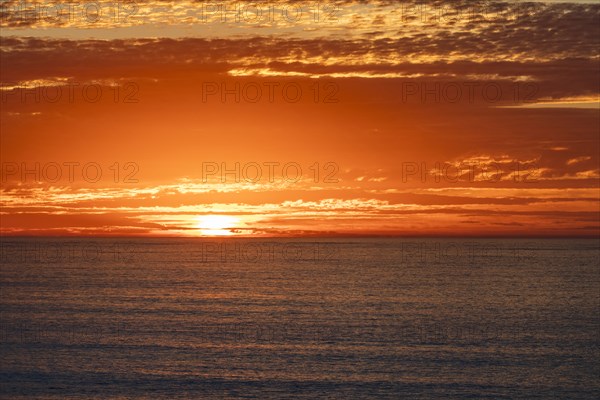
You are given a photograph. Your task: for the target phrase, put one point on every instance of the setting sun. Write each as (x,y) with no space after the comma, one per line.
(216,225)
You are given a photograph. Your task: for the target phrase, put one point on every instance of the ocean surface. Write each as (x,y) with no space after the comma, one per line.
(299,318)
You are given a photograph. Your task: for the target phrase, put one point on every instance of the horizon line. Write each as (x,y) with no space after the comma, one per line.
(333,236)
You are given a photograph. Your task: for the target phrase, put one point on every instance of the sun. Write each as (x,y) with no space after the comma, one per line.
(216,225)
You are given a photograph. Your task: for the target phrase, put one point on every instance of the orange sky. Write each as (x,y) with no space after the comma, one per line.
(443,119)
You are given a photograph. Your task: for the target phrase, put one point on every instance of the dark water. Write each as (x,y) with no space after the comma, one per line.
(338,319)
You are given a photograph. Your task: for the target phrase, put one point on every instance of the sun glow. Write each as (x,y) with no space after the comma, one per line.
(217,225)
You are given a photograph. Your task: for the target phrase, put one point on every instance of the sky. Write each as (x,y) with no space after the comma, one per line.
(298,118)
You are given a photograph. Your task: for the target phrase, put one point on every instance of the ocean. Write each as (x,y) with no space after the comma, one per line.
(408,318)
